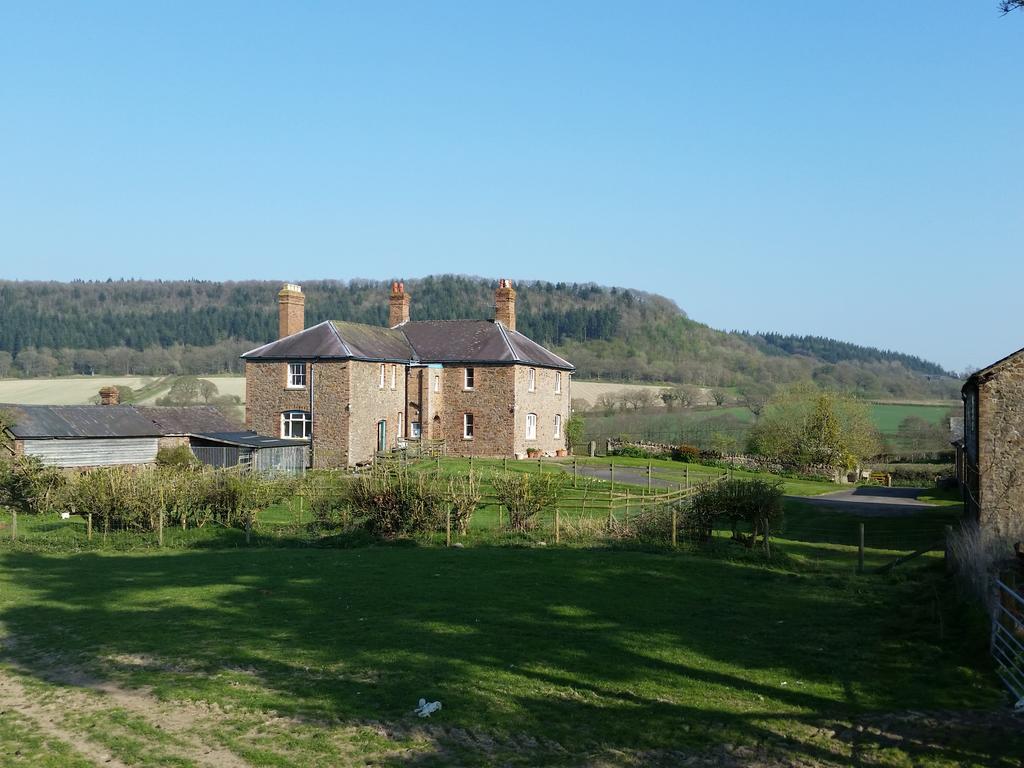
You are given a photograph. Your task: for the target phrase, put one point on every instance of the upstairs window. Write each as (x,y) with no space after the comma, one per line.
(558,425)
(531,426)
(437,382)
(558,382)
(470,378)
(296,425)
(467,426)
(531,379)
(296,375)
(394,376)
(382,376)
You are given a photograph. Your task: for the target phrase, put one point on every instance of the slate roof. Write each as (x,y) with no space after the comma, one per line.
(71,421)
(429,341)
(987,372)
(187,419)
(93,421)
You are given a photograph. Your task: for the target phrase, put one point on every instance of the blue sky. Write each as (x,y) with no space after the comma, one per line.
(844,169)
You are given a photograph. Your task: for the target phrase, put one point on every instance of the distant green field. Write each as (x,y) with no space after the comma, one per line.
(720,427)
(887,416)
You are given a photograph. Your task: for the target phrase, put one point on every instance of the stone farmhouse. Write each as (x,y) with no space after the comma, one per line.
(990,458)
(353,390)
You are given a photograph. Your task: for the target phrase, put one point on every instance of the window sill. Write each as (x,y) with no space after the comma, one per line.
(290,388)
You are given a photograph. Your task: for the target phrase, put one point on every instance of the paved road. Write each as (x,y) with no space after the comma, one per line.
(867,501)
(871,501)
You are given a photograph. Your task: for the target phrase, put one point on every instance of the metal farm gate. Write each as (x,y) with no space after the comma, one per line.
(1008,638)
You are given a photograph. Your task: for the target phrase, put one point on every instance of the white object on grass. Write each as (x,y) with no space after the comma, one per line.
(65,515)
(427,708)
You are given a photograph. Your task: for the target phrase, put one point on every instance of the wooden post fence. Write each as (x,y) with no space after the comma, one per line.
(649,476)
(14,524)
(448,529)
(558,527)
(687,477)
(160,528)
(88,527)
(575,471)
(674,514)
(860,548)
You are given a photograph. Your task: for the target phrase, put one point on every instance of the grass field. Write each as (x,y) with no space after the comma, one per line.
(298,651)
(551,656)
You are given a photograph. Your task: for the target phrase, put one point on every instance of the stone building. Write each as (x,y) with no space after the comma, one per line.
(352,389)
(991,459)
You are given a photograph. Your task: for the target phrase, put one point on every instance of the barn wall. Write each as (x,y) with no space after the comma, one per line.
(93,452)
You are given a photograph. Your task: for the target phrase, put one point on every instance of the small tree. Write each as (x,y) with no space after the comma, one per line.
(575,428)
(207,390)
(719,396)
(464,496)
(526,495)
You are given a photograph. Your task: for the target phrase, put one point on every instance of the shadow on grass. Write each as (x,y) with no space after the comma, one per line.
(588,650)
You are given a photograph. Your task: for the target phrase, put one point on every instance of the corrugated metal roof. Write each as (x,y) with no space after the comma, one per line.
(429,341)
(187,419)
(70,421)
(250,440)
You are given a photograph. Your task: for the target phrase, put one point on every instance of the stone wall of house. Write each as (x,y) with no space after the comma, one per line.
(1001,448)
(491,402)
(546,402)
(267,396)
(331,419)
(372,404)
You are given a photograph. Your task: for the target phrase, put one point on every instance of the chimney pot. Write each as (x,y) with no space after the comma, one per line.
(110,396)
(505,304)
(398,304)
(291,306)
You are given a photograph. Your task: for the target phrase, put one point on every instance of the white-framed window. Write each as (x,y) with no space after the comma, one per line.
(437,382)
(469,378)
(296,375)
(401,425)
(531,426)
(531,378)
(558,425)
(558,382)
(296,425)
(394,376)
(467,426)
(414,429)
(382,374)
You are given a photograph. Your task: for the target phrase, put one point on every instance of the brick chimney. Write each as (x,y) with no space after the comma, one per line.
(291,305)
(398,305)
(505,304)
(110,396)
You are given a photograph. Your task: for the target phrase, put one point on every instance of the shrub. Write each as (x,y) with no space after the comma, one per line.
(28,485)
(327,495)
(394,501)
(464,496)
(180,456)
(525,495)
(758,503)
(687,453)
(980,553)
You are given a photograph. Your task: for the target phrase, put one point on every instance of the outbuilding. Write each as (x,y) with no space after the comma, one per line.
(247,449)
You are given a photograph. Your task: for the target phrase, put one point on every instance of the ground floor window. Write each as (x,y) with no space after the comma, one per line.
(467,426)
(558,425)
(531,426)
(414,429)
(296,425)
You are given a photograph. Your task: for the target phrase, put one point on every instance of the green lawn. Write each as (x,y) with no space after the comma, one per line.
(539,656)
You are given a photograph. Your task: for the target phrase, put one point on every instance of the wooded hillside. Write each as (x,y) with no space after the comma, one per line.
(159,327)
